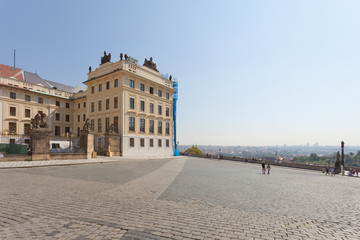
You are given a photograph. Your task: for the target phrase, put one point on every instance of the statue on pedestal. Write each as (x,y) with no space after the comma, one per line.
(150,64)
(342,154)
(337,163)
(39,121)
(87,125)
(106,58)
(112,129)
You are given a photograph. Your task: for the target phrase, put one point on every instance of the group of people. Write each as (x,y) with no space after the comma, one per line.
(353,173)
(264,168)
(330,171)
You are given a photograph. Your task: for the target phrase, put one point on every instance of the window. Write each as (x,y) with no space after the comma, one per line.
(151,108)
(167,112)
(142,87)
(12,128)
(12,95)
(99,125)
(167,128)
(116,122)
(27,98)
(57,103)
(159,109)
(132,84)
(57,116)
(159,127)
(79,105)
(67,105)
(131,124)
(57,130)
(27,113)
(107,85)
(132,142)
(26,128)
(40,100)
(167,95)
(92,89)
(27,141)
(107,123)
(151,126)
(132,103)
(116,83)
(84,117)
(159,142)
(99,105)
(151,142)
(167,143)
(159,93)
(142,125)
(67,118)
(92,121)
(78,118)
(12,111)
(92,107)
(100,87)
(67,131)
(151,90)
(142,142)
(78,131)
(116,102)
(107,105)
(142,105)
(84,104)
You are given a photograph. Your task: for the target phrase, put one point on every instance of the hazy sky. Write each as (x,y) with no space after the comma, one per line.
(249,72)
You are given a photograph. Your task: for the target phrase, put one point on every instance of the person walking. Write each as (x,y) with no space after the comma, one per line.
(268,168)
(263,167)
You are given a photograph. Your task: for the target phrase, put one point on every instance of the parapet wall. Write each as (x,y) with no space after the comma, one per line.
(282,164)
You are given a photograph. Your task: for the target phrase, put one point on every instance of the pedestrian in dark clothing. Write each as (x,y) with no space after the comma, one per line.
(263,167)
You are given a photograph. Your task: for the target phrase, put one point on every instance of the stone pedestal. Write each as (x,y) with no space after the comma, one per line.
(112,144)
(40,144)
(87,143)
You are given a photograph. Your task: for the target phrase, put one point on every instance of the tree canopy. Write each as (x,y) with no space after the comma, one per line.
(193,151)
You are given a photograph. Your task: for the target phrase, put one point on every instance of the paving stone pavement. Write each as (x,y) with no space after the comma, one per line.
(182,198)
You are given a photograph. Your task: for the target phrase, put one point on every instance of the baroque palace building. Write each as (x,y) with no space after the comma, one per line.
(136,99)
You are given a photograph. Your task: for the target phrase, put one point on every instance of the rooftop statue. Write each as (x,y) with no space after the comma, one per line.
(90,69)
(150,64)
(39,121)
(105,58)
(121,56)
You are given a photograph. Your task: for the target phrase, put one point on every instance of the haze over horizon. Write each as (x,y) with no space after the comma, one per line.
(250,73)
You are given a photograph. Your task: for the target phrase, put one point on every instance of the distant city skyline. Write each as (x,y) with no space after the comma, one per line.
(250,73)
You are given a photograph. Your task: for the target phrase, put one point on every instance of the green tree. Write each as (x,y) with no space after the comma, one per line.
(193,151)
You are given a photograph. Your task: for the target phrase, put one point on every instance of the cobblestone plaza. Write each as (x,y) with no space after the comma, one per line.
(180,198)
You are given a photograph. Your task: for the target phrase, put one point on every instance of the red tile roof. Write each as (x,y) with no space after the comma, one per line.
(8,71)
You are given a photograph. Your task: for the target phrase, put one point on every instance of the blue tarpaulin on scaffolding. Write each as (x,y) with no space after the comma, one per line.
(175,97)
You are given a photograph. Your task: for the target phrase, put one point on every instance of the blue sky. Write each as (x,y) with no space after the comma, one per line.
(249,72)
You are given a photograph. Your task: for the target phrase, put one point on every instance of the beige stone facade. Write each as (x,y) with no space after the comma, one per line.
(136,99)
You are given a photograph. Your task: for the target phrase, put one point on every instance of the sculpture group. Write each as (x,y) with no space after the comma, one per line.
(106,58)
(39,121)
(150,64)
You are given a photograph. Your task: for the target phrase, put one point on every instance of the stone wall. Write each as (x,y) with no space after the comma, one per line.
(67,156)
(283,164)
